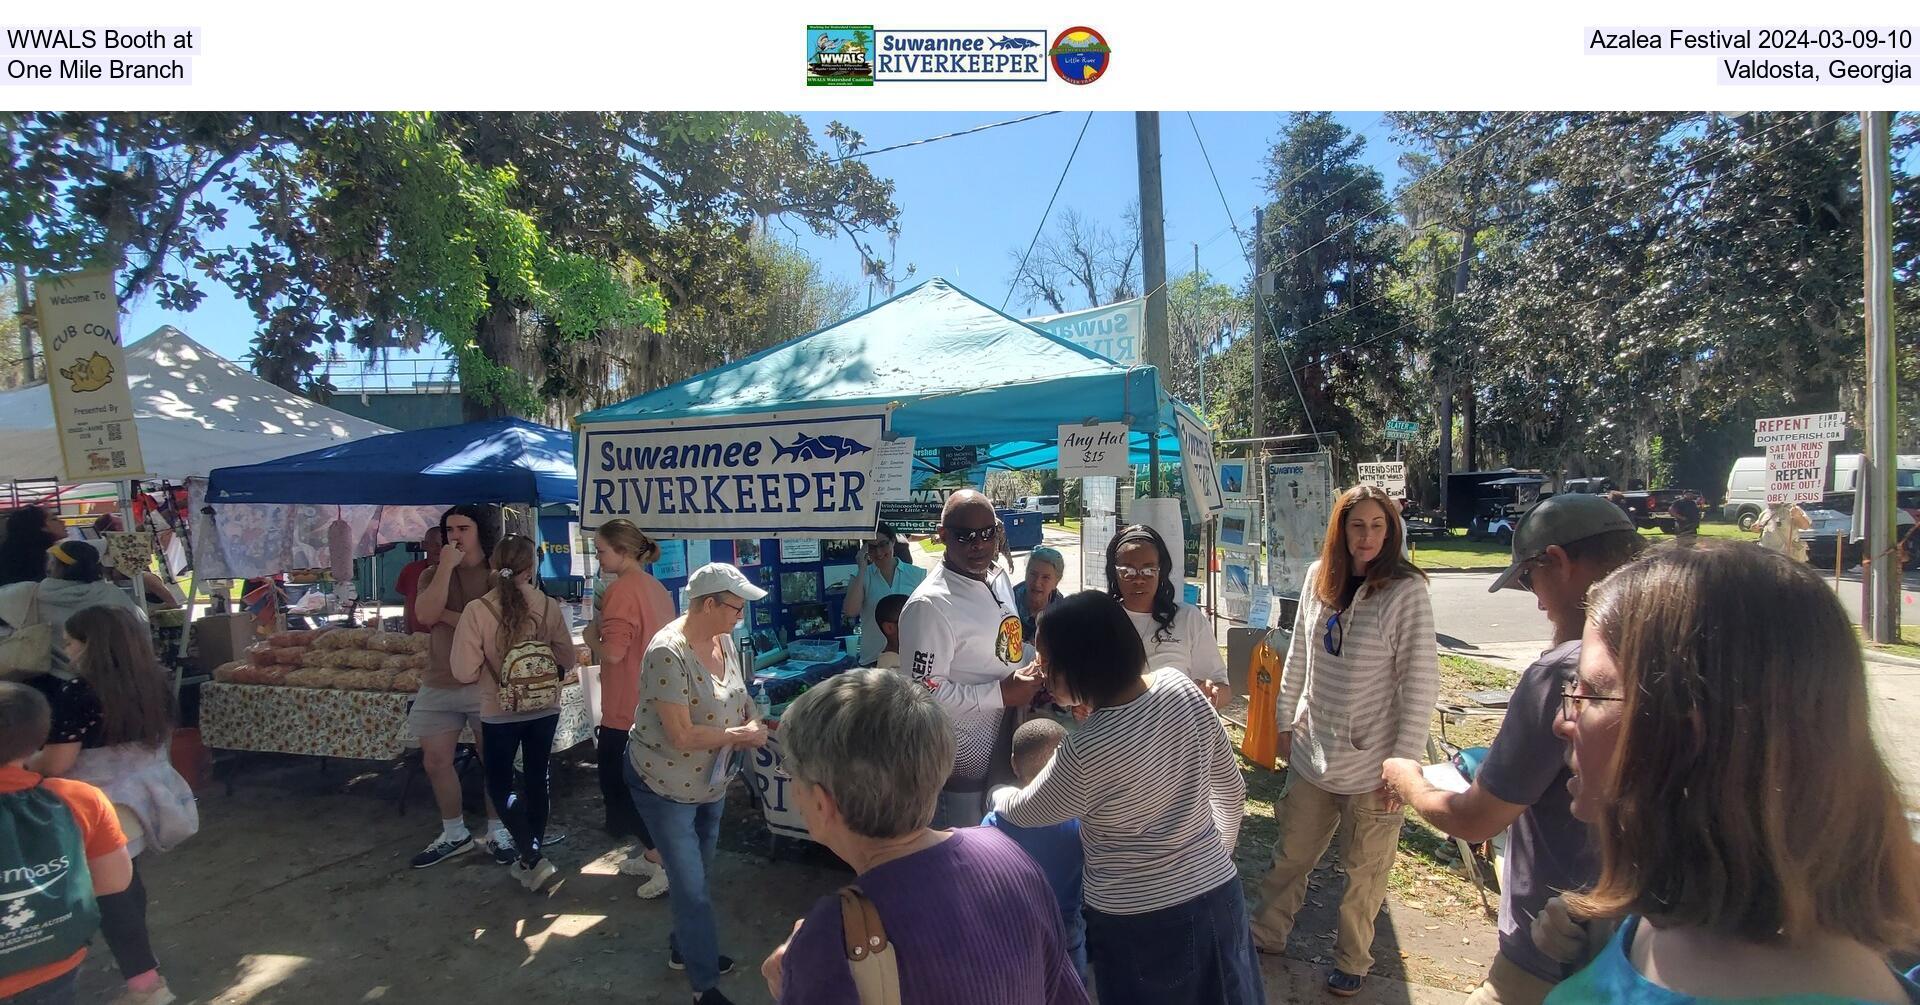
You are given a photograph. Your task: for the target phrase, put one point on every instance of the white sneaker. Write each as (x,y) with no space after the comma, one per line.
(638,865)
(536,877)
(159,994)
(655,886)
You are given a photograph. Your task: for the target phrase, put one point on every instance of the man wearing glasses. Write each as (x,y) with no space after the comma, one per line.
(960,636)
(1562,547)
(881,574)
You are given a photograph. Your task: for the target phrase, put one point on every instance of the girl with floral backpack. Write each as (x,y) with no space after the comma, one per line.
(516,643)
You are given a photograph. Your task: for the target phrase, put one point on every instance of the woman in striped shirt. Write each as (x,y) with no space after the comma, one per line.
(1360,681)
(1151,777)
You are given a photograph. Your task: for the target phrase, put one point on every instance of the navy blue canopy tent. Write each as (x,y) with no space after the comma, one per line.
(497,461)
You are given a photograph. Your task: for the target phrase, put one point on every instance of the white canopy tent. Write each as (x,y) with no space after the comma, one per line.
(195,410)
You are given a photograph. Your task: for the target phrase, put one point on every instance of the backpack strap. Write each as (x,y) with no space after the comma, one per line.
(870,957)
(497,616)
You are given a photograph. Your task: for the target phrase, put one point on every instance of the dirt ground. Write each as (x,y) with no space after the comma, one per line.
(297,891)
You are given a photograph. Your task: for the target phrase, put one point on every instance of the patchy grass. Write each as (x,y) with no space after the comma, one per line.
(1460,677)
(1456,552)
(1908,646)
(1427,873)
(1071,523)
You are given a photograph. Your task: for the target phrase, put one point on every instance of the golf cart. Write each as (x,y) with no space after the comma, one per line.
(1498,505)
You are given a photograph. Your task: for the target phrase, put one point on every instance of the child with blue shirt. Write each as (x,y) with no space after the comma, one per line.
(1056,849)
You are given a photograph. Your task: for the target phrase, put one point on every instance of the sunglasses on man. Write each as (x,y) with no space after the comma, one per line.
(973,535)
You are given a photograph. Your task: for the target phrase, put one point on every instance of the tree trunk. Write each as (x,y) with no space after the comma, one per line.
(1461,273)
(498,339)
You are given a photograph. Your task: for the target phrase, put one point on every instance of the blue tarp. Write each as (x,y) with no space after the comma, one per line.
(961,373)
(498,461)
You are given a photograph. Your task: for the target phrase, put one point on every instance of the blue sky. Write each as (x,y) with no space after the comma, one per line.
(968,203)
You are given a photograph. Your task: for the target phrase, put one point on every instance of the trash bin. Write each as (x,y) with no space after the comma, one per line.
(1023,528)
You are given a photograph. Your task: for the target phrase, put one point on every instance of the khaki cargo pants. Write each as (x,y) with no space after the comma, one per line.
(1369,836)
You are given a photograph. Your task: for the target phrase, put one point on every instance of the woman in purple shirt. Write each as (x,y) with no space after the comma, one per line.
(968,919)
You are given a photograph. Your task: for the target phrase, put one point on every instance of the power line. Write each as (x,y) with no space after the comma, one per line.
(1297,390)
(1357,178)
(945,136)
(1022,270)
(1674,176)
(1518,117)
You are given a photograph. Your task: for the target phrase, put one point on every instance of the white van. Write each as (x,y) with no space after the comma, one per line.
(1747,483)
(1049,506)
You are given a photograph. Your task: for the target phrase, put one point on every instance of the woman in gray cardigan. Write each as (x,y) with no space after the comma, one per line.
(1359,687)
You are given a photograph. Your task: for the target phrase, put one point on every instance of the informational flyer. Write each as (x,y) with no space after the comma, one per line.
(1299,503)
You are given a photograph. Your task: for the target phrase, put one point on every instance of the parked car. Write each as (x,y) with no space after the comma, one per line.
(1832,519)
(1048,506)
(1747,484)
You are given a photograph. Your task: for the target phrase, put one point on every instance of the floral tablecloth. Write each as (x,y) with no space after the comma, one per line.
(365,725)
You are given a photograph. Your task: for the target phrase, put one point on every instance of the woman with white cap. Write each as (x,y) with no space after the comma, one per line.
(690,732)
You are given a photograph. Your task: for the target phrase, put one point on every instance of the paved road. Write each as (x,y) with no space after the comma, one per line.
(1509,627)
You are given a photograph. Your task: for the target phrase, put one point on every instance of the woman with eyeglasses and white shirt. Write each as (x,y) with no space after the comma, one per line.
(1176,634)
(1359,685)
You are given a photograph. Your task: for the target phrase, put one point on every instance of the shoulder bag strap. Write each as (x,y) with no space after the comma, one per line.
(497,673)
(870,957)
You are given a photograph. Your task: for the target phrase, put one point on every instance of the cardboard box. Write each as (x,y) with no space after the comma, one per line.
(222,638)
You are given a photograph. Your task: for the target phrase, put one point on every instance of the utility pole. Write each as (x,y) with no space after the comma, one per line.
(1199,350)
(1153,263)
(1880,600)
(27,321)
(1259,316)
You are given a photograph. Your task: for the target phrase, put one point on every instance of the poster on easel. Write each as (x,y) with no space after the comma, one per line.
(1299,504)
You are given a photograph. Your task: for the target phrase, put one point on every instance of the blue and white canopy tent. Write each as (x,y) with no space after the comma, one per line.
(932,363)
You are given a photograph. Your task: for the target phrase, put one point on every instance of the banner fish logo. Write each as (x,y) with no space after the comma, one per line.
(90,374)
(1008,42)
(818,448)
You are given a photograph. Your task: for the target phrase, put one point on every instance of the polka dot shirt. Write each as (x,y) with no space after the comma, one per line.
(671,672)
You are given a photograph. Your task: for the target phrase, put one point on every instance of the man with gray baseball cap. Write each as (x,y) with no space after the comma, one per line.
(1564,545)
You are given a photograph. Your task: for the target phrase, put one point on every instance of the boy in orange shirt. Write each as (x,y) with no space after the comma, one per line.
(60,847)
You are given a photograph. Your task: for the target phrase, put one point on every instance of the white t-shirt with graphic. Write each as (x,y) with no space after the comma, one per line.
(959,637)
(1188,645)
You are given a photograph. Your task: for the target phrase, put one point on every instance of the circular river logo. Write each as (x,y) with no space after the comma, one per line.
(1080,55)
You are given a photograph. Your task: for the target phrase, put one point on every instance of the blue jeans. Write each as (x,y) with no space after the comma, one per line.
(685,834)
(1197,953)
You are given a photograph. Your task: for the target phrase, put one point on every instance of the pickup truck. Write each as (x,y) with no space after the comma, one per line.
(1649,509)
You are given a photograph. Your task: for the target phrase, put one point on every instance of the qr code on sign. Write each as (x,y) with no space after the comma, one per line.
(113,432)
(119,458)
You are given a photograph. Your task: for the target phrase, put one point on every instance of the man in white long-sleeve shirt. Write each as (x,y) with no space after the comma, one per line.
(960,637)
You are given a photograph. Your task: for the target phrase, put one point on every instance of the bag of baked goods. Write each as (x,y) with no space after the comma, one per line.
(406,680)
(223,674)
(419,642)
(299,637)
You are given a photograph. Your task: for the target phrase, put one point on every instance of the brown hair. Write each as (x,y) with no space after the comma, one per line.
(1336,562)
(25,721)
(622,536)
(513,557)
(136,704)
(1748,797)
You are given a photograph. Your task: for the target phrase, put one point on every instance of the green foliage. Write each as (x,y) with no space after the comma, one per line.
(551,251)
